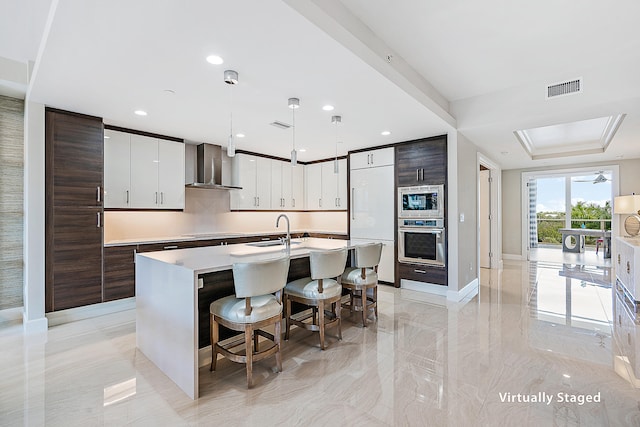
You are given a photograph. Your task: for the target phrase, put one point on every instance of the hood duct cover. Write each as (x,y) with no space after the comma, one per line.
(209,169)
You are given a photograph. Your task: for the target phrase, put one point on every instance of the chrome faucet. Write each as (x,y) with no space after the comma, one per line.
(287,240)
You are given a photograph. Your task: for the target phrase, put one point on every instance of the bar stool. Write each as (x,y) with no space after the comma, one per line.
(252,308)
(361,281)
(320,291)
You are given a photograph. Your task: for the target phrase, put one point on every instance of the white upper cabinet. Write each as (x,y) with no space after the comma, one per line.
(170,174)
(373,158)
(334,185)
(297,188)
(313,181)
(117,169)
(326,190)
(253,174)
(142,172)
(287,186)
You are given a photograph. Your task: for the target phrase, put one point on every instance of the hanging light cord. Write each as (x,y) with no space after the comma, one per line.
(231,112)
(293,112)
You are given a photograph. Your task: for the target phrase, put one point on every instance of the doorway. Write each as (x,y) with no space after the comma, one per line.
(489,233)
(575,199)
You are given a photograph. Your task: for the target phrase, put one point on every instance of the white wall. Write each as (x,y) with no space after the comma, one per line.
(207,211)
(512,216)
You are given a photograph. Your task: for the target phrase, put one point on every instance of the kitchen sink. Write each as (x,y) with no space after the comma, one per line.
(267,243)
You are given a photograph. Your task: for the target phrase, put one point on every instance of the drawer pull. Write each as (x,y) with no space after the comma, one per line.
(420,271)
(170,247)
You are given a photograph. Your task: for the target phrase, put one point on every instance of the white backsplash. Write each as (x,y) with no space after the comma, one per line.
(207,211)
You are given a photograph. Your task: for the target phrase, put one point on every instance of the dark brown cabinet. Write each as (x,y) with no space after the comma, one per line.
(73,210)
(422,162)
(119,272)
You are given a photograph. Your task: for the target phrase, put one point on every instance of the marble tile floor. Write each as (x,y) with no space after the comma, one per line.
(426,362)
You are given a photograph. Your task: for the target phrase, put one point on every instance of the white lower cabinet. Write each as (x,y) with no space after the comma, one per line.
(142,172)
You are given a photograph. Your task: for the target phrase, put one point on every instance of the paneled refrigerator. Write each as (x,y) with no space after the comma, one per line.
(372,204)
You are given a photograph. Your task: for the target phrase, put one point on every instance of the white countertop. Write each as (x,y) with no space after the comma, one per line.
(218,258)
(204,236)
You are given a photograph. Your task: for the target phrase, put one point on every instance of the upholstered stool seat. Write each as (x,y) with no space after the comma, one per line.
(253,307)
(361,281)
(320,291)
(233,309)
(307,288)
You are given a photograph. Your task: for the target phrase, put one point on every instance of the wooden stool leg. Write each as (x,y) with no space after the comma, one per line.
(278,340)
(255,342)
(321,322)
(375,299)
(214,341)
(287,317)
(248,339)
(339,317)
(351,291)
(363,297)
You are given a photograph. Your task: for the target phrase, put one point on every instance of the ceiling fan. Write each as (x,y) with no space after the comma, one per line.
(600,178)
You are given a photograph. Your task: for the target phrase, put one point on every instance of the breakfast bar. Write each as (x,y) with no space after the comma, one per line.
(170,288)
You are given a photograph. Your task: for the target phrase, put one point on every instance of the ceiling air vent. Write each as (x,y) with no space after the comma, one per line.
(280,125)
(564,88)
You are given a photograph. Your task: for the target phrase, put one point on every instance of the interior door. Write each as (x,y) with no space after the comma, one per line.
(485,222)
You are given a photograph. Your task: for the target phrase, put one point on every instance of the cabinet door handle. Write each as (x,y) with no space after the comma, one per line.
(417,174)
(420,271)
(258,200)
(99,194)
(368,162)
(170,247)
(628,267)
(98,215)
(127,197)
(320,202)
(162,197)
(293,202)
(372,158)
(618,258)
(255,201)
(156,197)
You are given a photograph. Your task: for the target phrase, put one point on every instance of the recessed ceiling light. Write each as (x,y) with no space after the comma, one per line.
(140,112)
(302,150)
(214,59)
(328,108)
(239,135)
(385,133)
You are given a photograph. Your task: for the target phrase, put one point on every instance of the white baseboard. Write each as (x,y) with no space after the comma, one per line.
(423,287)
(11,315)
(469,290)
(512,257)
(89,311)
(35,326)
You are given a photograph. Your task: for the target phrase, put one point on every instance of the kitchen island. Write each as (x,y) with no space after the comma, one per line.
(174,290)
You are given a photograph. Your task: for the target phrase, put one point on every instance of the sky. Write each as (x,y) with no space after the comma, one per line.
(551,192)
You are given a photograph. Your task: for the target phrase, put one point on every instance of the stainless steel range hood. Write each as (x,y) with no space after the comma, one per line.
(209,169)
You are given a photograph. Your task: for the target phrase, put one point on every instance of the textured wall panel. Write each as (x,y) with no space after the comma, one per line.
(11,201)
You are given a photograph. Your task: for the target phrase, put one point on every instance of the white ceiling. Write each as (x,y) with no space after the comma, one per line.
(481,66)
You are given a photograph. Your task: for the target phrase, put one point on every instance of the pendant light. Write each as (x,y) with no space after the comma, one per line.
(336,120)
(294,104)
(231,78)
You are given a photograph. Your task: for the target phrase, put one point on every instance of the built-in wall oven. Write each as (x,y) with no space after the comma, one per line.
(421,241)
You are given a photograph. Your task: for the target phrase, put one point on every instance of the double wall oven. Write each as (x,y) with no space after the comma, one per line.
(421,231)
